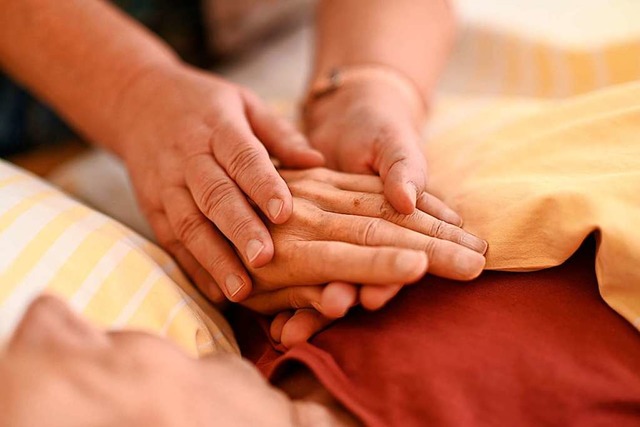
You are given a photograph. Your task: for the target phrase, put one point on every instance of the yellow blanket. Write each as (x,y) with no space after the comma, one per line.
(535,185)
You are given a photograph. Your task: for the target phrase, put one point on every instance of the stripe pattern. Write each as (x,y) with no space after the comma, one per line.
(117,279)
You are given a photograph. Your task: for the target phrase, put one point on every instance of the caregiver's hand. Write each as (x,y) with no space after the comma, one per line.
(197,149)
(343,231)
(369,127)
(60,371)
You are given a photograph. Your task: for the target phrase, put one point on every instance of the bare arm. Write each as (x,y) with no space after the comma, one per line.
(78,56)
(413,36)
(196,147)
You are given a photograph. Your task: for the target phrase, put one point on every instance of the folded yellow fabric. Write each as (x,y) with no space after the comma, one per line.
(49,242)
(535,178)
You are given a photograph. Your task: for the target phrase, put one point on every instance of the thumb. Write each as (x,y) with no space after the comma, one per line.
(281,139)
(404,172)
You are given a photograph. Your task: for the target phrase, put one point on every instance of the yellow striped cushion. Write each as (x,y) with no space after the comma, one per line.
(49,242)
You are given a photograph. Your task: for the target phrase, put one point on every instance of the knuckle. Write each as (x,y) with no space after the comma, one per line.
(217,263)
(243,161)
(430,247)
(262,184)
(40,311)
(438,228)
(389,213)
(214,194)
(369,232)
(241,226)
(385,135)
(188,226)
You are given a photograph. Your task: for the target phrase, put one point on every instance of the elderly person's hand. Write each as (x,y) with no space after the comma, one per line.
(197,149)
(371,126)
(60,371)
(342,232)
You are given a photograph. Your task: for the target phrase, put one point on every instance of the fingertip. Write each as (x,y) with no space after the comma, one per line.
(402,197)
(412,264)
(412,194)
(293,333)
(277,324)
(214,293)
(314,158)
(279,208)
(237,287)
(259,252)
(470,264)
(337,298)
(375,297)
(452,217)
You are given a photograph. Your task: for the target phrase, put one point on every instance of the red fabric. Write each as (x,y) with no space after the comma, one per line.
(508,349)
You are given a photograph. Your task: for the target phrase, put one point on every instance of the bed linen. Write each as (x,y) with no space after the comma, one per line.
(509,349)
(116,278)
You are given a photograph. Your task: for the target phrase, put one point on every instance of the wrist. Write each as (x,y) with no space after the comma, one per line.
(371,83)
(359,99)
(137,93)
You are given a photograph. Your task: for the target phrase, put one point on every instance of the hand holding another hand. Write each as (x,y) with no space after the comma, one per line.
(197,149)
(369,127)
(344,232)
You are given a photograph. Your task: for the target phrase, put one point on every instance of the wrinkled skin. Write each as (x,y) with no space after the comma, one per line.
(344,233)
(197,149)
(369,128)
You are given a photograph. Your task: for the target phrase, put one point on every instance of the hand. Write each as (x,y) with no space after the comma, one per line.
(197,149)
(370,128)
(343,231)
(58,370)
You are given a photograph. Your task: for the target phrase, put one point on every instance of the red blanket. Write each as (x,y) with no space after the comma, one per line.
(514,349)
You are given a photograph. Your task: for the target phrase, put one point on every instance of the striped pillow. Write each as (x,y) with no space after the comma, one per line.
(51,243)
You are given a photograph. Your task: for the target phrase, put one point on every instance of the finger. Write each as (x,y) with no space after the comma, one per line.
(206,244)
(337,298)
(303,325)
(289,298)
(435,207)
(218,197)
(375,297)
(278,322)
(340,261)
(341,180)
(376,206)
(188,264)
(446,258)
(247,162)
(403,169)
(280,137)
(426,202)
(50,323)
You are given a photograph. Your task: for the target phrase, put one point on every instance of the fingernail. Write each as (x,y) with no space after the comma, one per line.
(254,248)
(317,306)
(411,192)
(469,264)
(408,262)
(234,284)
(452,217)
(475,243)
(274,207)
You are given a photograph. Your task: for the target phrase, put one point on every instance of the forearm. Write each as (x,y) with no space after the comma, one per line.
(78,56)
(412,36)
